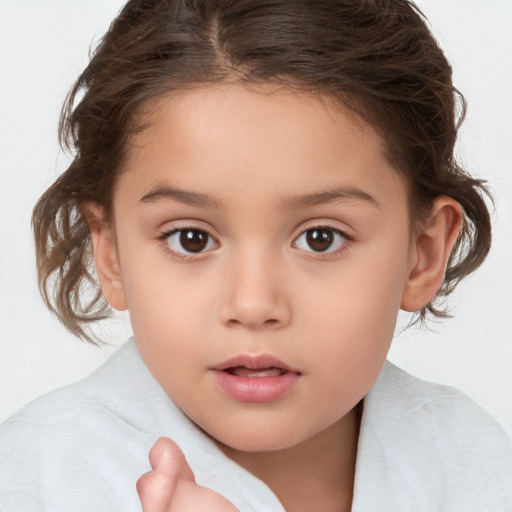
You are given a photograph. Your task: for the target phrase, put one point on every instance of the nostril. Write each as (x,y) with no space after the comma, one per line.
(271,322)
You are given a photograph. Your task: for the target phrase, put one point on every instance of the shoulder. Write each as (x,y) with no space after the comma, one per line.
(78,433)
(438,443)
(103,400)
(399,398)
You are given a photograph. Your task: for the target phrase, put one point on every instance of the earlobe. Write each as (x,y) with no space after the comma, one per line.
(105,256)
(430,253)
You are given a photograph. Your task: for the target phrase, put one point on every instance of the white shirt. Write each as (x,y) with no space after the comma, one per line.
(422,447)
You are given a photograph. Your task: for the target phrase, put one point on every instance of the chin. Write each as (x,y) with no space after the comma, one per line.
(254,442)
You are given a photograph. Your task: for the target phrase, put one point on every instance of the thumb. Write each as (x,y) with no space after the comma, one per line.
(167,457)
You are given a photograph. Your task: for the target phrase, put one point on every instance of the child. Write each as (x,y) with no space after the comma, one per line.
(263,185)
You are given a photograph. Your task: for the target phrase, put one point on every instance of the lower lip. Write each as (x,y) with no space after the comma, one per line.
(256,389)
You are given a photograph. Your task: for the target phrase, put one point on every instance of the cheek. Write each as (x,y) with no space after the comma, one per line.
(355,322)
(362,294)
(166,311)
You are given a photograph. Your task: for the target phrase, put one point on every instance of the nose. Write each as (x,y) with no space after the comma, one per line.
(255,296)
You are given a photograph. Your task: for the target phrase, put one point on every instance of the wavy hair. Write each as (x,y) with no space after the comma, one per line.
(377,57)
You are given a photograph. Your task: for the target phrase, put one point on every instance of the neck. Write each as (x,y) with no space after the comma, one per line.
(317,474)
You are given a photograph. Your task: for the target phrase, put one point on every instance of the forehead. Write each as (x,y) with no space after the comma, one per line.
(265,112)
(292,139)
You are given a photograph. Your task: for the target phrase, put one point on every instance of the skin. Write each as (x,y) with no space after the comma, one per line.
(273,163)
(171,486)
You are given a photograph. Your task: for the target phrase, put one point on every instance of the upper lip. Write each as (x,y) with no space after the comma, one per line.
(254,362)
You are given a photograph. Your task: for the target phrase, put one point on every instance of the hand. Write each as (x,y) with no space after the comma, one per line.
(171,486)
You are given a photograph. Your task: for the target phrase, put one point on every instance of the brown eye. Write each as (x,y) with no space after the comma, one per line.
(190,241)
(321,239)
(193,241)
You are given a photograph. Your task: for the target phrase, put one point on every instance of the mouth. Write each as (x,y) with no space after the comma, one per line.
(242,371)
(249,365)
(255,378)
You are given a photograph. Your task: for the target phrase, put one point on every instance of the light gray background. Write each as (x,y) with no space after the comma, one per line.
(44,46)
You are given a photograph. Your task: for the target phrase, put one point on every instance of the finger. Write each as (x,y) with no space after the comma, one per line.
(166,456)
(210,501)
(190,497)
(155,491)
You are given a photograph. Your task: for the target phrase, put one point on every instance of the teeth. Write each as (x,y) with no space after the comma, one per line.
(241,371)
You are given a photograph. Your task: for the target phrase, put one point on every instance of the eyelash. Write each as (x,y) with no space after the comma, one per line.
(345,245)
(163,238)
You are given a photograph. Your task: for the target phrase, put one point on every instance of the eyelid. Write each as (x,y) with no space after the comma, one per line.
(337,226)
(347,238)
(165,234)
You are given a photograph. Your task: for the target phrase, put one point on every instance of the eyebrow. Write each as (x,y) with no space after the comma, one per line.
(166,193)
(327,196)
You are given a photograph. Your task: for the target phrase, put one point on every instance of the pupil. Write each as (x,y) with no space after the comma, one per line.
(193,240)
(319,239)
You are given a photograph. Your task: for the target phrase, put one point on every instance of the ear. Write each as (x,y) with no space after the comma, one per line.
(105,256)
(430,252)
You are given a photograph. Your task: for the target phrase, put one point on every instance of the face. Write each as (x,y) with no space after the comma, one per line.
(263,242)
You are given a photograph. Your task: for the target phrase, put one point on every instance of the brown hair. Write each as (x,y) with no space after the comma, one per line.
(375,56)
